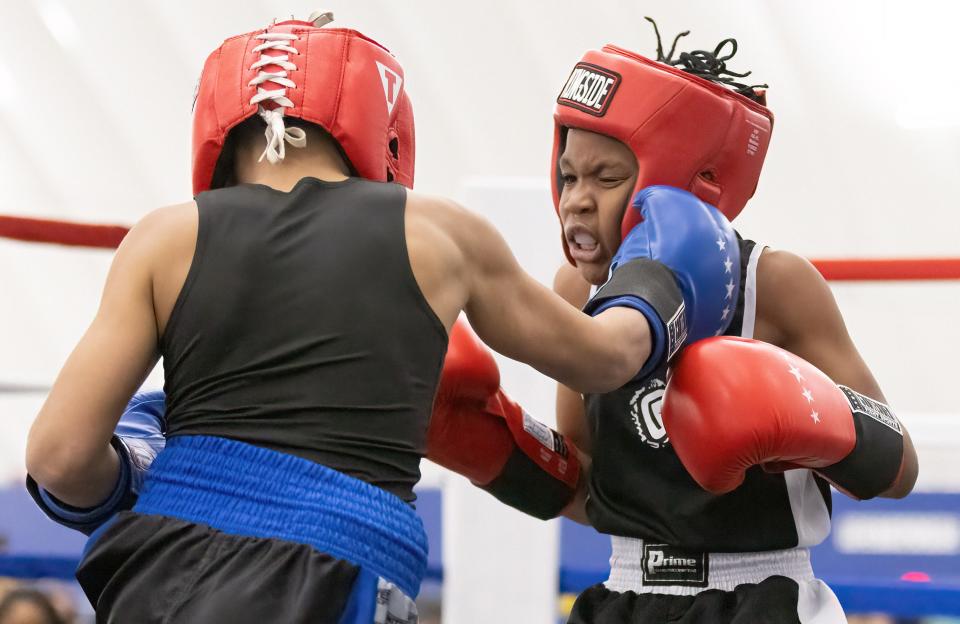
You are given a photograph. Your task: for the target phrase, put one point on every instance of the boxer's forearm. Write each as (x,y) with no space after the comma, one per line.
(909,471)
(576,510)
(80,484)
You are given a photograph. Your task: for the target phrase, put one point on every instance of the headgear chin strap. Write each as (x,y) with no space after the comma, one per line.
(685,131)
(337,78)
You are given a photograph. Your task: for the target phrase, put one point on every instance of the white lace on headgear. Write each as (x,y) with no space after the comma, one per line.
(277,133)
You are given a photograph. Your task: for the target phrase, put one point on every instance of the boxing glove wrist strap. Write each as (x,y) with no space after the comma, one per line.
(649,287)
(87,519)
(875,461)
(540,477)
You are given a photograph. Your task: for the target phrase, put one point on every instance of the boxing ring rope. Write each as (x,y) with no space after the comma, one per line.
(101,236)
(62,232)
(19,388)
(919,596)
(888,269)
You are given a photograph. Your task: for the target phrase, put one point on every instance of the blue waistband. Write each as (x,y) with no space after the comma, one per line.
(243,489)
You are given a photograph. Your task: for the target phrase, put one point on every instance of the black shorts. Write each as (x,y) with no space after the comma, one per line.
(227,532)
(654,584)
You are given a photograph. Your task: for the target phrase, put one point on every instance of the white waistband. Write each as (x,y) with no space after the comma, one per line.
(723,571)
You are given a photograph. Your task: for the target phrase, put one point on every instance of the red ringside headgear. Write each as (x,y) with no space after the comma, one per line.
(337,78)
(685,131)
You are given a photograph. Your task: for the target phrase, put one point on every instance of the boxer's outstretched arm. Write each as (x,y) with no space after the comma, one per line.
(571,412)
(803,318)
(68,449)
(524,320)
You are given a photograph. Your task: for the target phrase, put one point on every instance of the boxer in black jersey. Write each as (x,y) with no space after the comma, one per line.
(301,305)
(681,553)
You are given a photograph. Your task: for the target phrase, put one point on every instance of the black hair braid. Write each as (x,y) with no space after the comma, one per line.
(711,66)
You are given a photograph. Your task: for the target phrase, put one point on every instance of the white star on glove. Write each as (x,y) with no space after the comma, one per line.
(722,244)
(815,416)
(795,372)
(807,395)
(730,286)
(727,264)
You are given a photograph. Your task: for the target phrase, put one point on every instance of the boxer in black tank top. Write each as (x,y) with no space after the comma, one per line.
(680,553)
(302,313)
(730,550)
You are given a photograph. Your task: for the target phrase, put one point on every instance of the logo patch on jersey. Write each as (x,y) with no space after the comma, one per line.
(589,88)
(666,565)
(645,411)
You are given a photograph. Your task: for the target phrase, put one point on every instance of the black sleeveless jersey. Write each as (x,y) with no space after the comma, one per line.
(301,328)
(638,487)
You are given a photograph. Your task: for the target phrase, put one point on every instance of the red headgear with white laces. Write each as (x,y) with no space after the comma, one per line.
(337,78)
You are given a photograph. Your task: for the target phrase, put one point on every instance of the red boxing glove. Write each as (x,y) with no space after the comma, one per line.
(733,403)
(477,431)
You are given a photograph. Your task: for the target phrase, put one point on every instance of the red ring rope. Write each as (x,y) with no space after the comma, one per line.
(62,232)
(885,269)
(854,269)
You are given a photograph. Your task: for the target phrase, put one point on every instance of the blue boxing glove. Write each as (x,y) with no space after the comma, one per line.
(137,439)
(680,267)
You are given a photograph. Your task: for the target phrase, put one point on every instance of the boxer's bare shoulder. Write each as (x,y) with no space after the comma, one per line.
(466,238)
(436,258)
(796,311)
(794,302)
(164,242)
(164,234)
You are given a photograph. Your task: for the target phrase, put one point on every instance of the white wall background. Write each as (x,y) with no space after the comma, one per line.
(95,124)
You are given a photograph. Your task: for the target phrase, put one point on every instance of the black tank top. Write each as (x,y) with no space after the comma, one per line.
(638,487)
(301,328)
